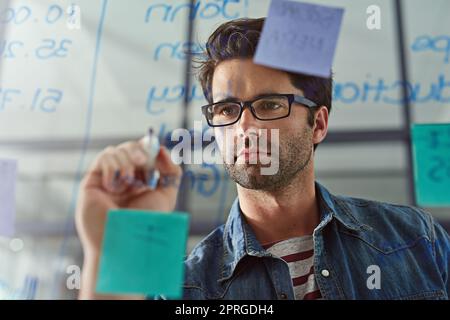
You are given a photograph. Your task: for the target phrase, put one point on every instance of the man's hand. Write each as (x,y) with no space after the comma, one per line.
(111,183)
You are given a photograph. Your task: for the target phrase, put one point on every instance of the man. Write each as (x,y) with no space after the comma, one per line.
(286,236)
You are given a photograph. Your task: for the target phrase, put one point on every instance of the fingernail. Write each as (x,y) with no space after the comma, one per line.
(128,179)
(139,157)
(138,184)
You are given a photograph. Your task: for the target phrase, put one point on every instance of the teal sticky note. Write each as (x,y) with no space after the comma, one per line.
(431,155)
(143,253)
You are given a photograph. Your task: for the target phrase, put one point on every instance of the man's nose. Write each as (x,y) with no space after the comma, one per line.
(247,120)
(248,129)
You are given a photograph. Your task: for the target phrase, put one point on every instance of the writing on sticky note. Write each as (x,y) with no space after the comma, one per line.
(8,176)
(300,37)
(431,154)
(143,253)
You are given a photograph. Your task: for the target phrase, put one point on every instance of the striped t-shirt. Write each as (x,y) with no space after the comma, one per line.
(298,252)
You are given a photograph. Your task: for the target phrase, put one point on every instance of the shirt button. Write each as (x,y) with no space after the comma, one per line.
(283,296)
(325,273)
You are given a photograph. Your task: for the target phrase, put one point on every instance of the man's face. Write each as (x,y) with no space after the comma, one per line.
(243,80)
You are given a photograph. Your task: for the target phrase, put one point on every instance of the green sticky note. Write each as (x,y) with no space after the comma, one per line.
(143,253)
(431,154)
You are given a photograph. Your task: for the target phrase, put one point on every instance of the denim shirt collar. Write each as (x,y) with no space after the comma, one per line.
(239,239)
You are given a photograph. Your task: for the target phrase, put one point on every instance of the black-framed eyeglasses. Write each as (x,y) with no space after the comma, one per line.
(266,108)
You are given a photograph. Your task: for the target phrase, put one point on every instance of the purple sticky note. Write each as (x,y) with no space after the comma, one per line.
(8,175)
(300,37)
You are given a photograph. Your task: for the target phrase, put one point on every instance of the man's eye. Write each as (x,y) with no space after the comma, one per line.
(270,105)
(227,111)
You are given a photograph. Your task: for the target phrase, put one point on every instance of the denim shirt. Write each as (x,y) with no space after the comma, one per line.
(356,240)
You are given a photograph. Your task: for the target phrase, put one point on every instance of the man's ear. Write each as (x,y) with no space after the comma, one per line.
(320,128)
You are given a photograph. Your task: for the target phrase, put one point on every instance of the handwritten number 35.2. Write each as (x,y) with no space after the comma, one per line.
(52,48)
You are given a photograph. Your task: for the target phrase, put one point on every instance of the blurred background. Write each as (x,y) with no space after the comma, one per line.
(78,76)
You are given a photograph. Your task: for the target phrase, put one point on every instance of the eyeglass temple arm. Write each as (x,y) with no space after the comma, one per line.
(305,101)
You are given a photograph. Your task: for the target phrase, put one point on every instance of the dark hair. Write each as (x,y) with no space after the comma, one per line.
(238,39)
